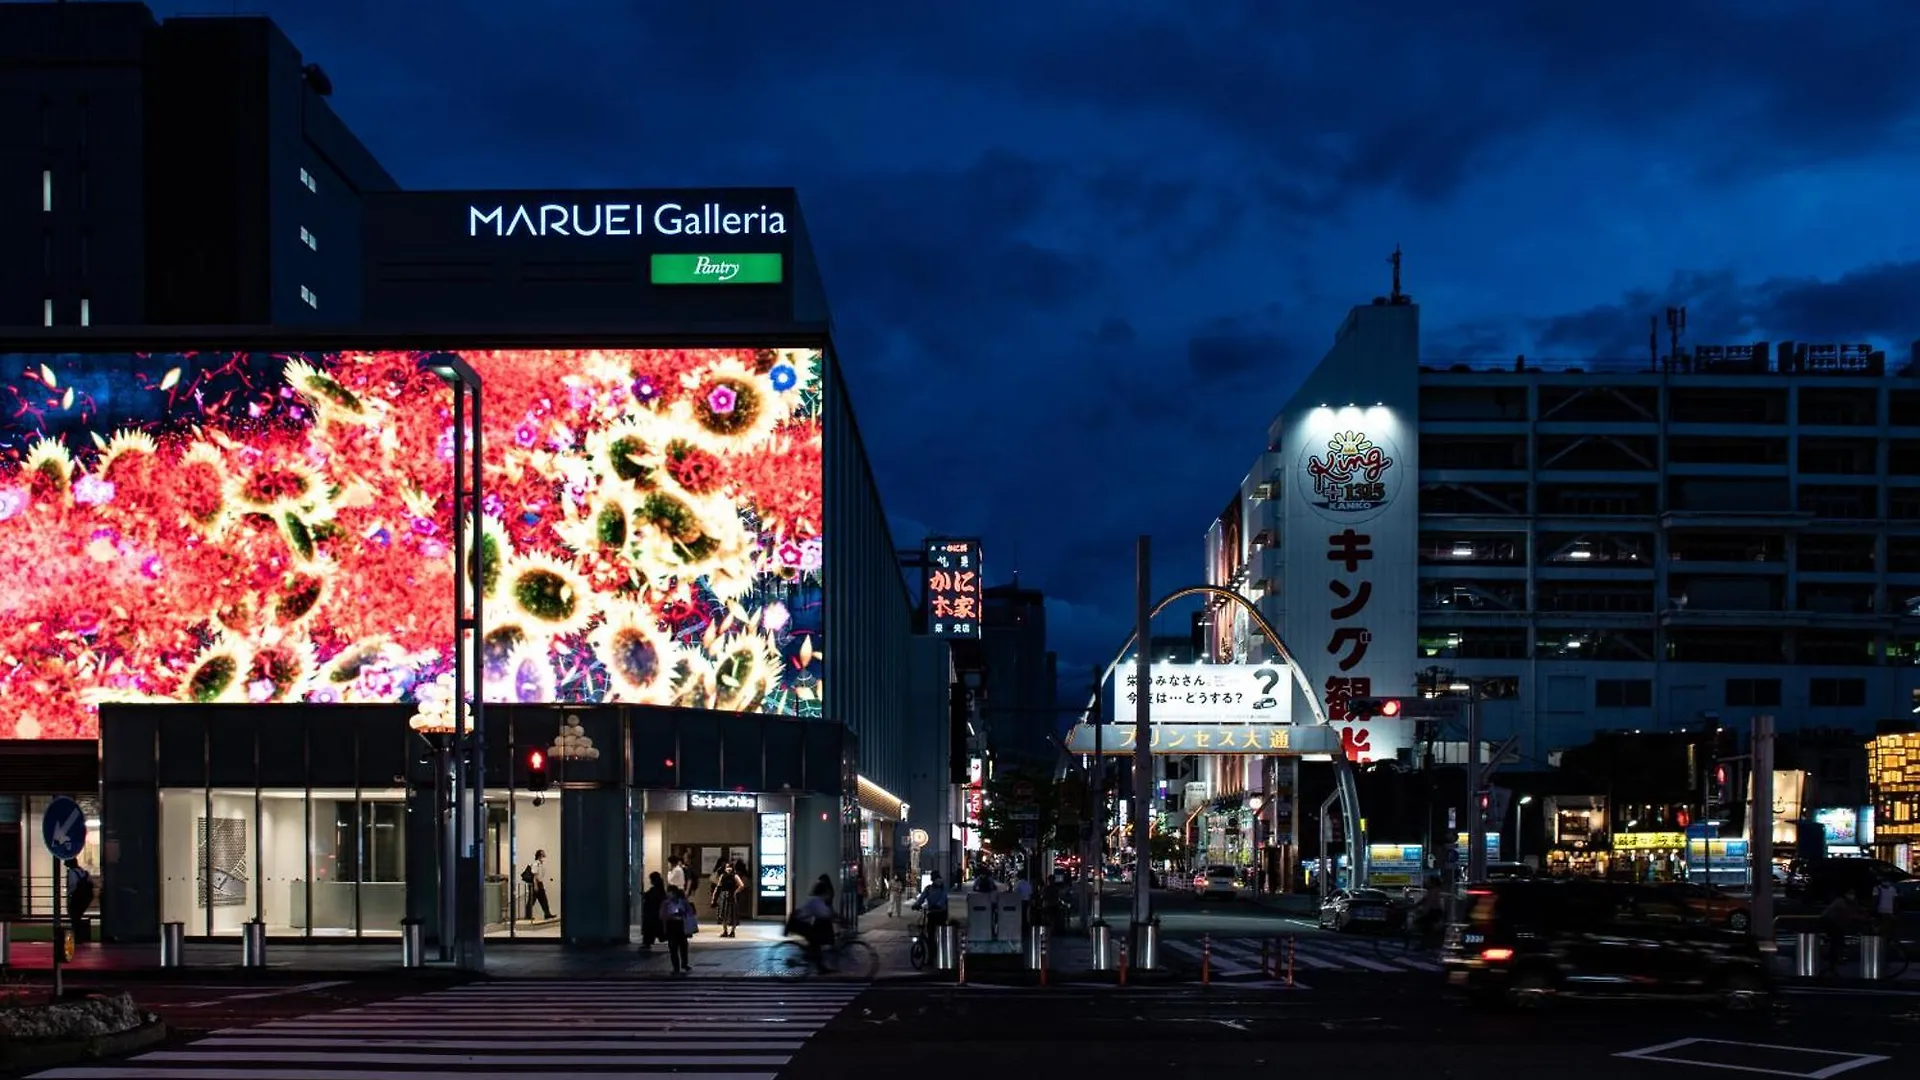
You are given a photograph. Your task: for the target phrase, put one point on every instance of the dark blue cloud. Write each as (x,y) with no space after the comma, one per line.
(1079,252)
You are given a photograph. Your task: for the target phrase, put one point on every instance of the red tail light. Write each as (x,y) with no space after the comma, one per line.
(1497,955)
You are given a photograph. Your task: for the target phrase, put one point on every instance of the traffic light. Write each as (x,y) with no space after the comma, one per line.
(537,771)
(1367,708)
(1486,805)
(1719,786)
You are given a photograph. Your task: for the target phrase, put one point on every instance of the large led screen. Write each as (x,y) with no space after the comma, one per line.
(265,527)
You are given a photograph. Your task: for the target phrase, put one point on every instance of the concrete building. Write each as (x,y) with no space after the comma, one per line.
(186,172)
(1020,707)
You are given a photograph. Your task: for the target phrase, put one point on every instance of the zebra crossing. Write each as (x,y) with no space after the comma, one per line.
(1242,957)
(520,1030)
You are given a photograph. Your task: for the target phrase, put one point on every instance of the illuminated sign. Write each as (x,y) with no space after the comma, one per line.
(1270,739)
(1649,841)
(722,800)
(1353,475)
(976,806)
(277,526)
(623,219)
(953,588)
(716,269)
(1840,824)
(771,898)
(1206,693)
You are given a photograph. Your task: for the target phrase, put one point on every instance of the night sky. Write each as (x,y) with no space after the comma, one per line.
(1079,251)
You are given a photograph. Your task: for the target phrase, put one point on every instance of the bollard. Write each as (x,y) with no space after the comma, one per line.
(1806,955)
(253,944)
(1123,963)
(1102,947)
(1206,959)
(960,965)
(1146,955)
(1872,949)
(1043,954)
(946,947)
(413,943)
(173,936)
(1290,942)
(6,942)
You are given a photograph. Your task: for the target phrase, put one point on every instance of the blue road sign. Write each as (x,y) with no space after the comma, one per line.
(64,827)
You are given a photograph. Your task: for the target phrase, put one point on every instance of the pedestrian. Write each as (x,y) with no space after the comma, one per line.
(742,894)
(535,879)
(680,922)
(651,928)
(79,898)
(896,895)
(726,897)
(676,873)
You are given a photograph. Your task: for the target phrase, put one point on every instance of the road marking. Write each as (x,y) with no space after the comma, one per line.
(260,995)
(1658,1053)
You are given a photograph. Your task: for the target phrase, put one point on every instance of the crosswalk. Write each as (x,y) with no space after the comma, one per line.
(1242,957)
(532,1030)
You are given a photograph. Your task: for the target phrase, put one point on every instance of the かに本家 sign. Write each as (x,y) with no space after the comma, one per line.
(953,588)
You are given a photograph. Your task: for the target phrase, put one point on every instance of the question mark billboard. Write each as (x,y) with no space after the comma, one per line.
(1206,693)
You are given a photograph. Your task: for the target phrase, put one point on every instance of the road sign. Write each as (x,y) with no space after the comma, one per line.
(64,827)
(1029,832)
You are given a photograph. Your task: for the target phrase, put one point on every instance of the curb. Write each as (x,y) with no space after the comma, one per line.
(27,1057)
(242,975)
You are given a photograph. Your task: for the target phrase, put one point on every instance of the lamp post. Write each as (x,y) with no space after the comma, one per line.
(1476,780)
(434,720)
(1517,804)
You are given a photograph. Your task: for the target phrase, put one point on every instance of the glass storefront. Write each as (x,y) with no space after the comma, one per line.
(36,867)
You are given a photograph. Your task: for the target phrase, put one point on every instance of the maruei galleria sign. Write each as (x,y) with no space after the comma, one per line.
(1273,740)
(558,219)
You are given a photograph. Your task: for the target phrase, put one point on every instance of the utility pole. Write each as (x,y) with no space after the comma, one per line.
(1476,818)
(1760,823)
(1143,753)
(1097,815)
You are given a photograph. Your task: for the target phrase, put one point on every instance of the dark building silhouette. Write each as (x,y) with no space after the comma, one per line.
(185,172)
(1022,711)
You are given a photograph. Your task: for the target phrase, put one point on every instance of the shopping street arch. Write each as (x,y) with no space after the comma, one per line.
(1349,788)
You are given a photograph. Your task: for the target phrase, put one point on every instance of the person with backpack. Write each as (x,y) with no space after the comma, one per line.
(678,919)
(80,891)
(534,877)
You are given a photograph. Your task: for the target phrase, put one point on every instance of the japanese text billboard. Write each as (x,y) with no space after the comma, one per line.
(255,527)
(954,588)
(1352,540)
(1204,694)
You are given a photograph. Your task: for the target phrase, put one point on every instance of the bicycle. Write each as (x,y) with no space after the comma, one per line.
(845,957)
(921,950)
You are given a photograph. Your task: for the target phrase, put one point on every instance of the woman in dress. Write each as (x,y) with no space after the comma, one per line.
(726,894)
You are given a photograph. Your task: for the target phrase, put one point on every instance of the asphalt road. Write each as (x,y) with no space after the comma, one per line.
(1363,1029)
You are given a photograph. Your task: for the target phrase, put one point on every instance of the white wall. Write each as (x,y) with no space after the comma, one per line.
(283,859)
(180,810)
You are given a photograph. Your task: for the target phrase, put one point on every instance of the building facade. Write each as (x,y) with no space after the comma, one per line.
(185,172)
(682,559)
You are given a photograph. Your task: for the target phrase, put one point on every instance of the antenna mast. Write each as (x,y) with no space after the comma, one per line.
(1396,296)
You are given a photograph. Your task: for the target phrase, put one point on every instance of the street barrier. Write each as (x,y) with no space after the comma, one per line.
(1872,951)
(946,947)
(413,943)
(1102,947)
(1807,942)
(960,963)
(1290,961)
(1044,939)
(1206,959)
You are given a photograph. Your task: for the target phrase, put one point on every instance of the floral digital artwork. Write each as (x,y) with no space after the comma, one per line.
(255,527)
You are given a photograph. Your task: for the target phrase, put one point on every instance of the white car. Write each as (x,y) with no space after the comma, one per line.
(1217,881)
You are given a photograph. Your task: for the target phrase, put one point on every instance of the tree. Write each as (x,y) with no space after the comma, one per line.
(1015,800)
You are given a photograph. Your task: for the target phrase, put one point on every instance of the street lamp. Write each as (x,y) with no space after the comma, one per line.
(1517,804)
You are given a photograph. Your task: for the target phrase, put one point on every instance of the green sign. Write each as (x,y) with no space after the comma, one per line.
(716,269)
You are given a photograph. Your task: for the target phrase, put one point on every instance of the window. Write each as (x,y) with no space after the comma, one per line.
(1623,693)
(1837,693)
(86,312)
(46,312)
(308,239)
(312,301)
(1755,692)
(306,178)
(46,191)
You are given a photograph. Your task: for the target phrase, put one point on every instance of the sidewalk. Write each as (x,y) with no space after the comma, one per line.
(755,953)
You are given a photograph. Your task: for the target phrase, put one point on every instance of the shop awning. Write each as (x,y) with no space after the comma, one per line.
(880,802)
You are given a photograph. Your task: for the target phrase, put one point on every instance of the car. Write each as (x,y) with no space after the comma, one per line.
(1217,881)
(1716,906)
(1840,875)
(1359,909)
(1525,942)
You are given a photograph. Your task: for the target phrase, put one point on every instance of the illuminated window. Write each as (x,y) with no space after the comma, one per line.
(86,312)
(307,179)
(312,301)
(46,312)
(307,239)
(46,191)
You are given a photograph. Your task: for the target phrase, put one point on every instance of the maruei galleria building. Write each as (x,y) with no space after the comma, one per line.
(589,452)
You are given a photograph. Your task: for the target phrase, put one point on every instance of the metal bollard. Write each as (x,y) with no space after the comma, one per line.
(6,942)
(173,938)
(1206,959)
(946,947)
(413,943)
(1290,942)
(1147,952)
(1123,964)
(1806,955)
(1044,936)
(1032,951)
(1102,947)
(253,944)
(1872,950)
(960,964)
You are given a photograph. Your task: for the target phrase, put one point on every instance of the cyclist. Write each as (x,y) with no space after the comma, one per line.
(933,901)
(813,922)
